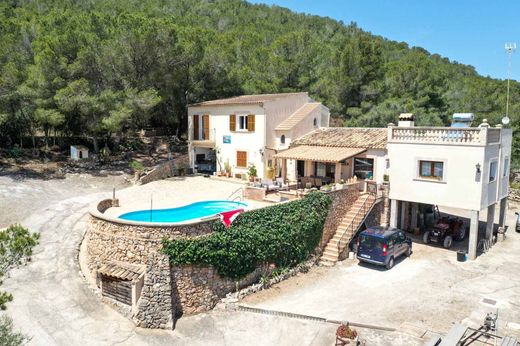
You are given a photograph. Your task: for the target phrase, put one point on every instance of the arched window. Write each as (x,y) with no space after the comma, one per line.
(315,122)
(282,139)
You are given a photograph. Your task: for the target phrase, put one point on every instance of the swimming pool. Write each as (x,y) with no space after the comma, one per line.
(188,212)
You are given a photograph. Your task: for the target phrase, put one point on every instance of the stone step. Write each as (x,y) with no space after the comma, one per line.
(331,252)
(326,263)
(328,258)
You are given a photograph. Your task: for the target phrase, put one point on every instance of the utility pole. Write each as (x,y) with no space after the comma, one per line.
(510,48)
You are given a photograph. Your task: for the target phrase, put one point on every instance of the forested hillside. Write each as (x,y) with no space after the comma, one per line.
(98,67)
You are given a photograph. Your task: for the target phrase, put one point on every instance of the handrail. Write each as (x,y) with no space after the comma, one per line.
(232,196)
(365,208)
(239,198)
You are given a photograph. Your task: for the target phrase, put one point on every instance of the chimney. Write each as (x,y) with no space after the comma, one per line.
(406,120)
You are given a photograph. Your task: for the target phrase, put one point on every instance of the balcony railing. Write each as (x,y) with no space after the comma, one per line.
(444,135)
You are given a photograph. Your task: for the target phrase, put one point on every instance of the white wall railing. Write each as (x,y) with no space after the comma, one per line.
(444,135)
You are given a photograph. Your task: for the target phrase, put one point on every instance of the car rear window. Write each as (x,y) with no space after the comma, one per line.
(371,242)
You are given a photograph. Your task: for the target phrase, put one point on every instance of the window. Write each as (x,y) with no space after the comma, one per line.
(492,171)
(241,158)
(200,127)
(242,122)
(324,170)
(196,127)
(315,122)
(282,139)
(270,163)
(506,166)
(431,169)
(320,169)
(363,168)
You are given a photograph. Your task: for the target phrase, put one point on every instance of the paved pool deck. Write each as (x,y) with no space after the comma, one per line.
(176,192)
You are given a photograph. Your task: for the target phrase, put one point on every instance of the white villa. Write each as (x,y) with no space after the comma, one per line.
(287,136)
(248,130)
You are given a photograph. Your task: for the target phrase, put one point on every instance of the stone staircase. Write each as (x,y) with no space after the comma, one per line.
(347,229)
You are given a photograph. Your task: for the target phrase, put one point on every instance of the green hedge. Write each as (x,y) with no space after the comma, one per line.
(284,234)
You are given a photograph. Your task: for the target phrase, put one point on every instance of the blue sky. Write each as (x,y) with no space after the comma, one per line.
(470,32)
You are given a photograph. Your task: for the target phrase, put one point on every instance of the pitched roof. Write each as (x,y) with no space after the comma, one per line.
(123,271)
(350,137)
(298,116)
(246,99)
(317,153)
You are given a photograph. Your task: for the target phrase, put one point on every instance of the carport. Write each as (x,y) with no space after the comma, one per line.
(407,215)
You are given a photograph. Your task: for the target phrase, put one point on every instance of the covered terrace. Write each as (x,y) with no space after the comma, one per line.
(330,155)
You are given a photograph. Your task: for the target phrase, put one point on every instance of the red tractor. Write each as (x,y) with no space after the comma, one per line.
(445,231)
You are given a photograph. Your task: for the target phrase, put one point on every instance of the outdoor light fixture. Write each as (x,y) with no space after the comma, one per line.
(261,151)
(477,166)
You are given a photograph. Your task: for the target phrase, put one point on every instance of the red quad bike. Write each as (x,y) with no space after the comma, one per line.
(445,231)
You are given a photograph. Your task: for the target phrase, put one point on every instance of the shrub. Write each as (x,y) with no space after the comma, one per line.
(284,234)
(136,166)
(8,336)
(15,152)
(252,171)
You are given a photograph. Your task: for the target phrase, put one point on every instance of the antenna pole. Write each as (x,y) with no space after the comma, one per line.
(510,48)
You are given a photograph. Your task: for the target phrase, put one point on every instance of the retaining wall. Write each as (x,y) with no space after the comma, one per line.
(342,201)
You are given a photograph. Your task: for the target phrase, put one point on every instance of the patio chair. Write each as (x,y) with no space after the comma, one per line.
(269,185)
(280,182)
(318,182)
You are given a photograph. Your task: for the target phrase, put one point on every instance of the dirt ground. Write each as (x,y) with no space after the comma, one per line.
(20,196)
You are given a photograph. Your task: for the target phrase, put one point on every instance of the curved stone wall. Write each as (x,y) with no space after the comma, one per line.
(114,240)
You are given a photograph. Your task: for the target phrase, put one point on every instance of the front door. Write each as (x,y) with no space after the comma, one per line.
(300,168)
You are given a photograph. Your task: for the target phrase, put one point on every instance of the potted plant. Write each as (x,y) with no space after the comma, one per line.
(181,170)
(227,167)
(326,188)
(252,173)
(344,333)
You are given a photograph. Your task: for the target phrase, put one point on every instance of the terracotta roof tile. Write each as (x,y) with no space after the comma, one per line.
(246,99)
(298,116)
(350,137)
(317,153)
(123,271)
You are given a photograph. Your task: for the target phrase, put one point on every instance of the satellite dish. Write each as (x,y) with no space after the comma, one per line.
(505,120)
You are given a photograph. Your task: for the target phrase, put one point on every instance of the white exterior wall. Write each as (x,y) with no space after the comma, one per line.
(505,153)
(278,111)
(250,142)
(462,187)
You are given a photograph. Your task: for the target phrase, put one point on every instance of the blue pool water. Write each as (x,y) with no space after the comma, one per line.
(188,212)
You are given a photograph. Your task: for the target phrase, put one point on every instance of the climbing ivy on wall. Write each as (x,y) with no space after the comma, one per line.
(284,234)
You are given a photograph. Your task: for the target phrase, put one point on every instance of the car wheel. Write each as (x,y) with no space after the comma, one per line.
(462,233)
(426,237)
(390,263)
(409,251)
(447,242)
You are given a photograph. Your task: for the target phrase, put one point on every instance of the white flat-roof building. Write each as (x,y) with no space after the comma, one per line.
(458,167)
